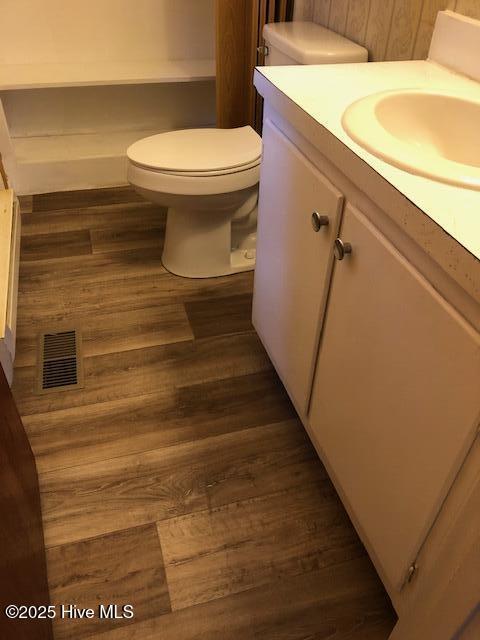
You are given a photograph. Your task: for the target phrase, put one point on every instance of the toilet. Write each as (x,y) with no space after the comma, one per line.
(208,178)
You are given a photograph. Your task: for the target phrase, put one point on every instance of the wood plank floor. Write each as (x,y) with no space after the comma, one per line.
(179,479)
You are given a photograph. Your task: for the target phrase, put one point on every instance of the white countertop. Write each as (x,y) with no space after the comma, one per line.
(325,91)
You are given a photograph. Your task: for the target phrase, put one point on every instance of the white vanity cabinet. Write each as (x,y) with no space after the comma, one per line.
(379,349)
(383,371)
(395,401)
(298,223)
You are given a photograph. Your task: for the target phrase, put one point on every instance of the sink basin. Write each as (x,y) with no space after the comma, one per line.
(431,134)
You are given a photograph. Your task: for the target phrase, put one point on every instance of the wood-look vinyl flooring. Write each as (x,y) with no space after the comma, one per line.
(179,479)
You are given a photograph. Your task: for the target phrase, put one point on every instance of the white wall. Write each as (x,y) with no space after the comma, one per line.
(105,30)
(6,149)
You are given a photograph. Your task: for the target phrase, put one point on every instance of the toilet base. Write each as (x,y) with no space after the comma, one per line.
(239,262)
(199,244)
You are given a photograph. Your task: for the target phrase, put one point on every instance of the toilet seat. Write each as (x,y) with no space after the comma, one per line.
(201,174)
(198,152)
(196,185)
(196,162)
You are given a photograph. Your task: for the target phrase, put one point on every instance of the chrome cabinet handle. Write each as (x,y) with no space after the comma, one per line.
(341,249)
(319,221)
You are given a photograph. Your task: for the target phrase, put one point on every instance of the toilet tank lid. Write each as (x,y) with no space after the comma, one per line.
(310,43)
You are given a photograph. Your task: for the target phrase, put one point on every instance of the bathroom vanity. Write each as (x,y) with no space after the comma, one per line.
(367,299)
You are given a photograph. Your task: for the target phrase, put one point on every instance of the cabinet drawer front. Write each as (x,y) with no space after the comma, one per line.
(293,260)
(396,402)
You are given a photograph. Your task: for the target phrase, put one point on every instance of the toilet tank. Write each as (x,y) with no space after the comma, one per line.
(308,43)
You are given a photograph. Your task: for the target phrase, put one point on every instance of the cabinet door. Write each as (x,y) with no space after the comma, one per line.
(396,397)
(293,261)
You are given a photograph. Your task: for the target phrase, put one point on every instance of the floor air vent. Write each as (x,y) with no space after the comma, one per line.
(60,361)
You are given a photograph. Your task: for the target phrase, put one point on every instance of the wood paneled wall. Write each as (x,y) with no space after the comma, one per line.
(234,46)
(389,29)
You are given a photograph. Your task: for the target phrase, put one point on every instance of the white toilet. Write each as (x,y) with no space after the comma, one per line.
(208,178)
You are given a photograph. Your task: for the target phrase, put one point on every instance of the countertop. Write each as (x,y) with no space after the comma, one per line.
(325,91)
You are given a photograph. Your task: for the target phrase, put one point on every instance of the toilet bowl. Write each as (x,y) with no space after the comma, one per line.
(208,180)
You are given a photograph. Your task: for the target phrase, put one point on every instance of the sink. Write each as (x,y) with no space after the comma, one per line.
(427,133)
